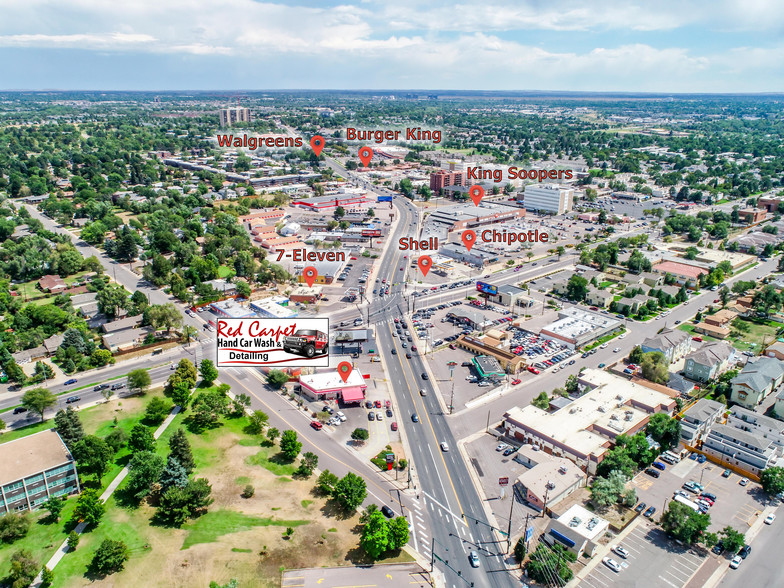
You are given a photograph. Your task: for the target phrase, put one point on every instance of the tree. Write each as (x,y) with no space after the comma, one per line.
(38,400)
(89,508)
(276,379)
(519,550)
(731,539)
(139,381)
(248,491)
(163,316)
(325,484)
(617,459)
(308,464)
(157,409)
(542,401)
(208,371)
(683,523)
(360,434)
(273,434)
(772,480)
(173,474)
(93,454)
(577,288)
(637,448)
(142,438)
(709,539)
(110,557)
(24,568)
(289,446)
(375,538)
(208,407)
(13,526)
(665,430)
(180,448)
(398,528)
(68,426)
(654,367)
(47,577)
(145,469)
(111,299)
(766,299)
(350,491)
(55,506)
(73,540)
(548,565)
(179,504)
(117,439)
(256,422)
(636,355)
(606,491)
(181,394)
(572,386)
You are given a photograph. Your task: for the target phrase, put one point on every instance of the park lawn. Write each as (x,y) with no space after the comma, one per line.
(759,334)
(207,528)
(42,540)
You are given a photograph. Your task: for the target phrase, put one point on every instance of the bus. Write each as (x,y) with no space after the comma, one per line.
(157,351)
(687,502)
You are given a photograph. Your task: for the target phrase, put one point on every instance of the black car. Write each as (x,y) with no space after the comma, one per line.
(20,410)
(394,352)
(118,386)
(408,356)
(415,417)
(509,451)
(745,551)
(652,472)
(388,512)
(72,399)
(640,507)
(424,376)
(100,387)
(718,549)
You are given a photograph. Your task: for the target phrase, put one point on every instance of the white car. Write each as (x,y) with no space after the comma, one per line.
(444,446)
(620,551)
(616,350)
(379,416)
(604,345)
(341,416)
(736,561)
(612,564)
(501,446)
(743,481)
(770,518)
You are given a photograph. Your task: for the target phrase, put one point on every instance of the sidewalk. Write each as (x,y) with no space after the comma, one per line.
(118,479)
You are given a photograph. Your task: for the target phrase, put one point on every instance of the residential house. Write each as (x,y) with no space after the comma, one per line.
(698,419)
(222,286)
(722,318)
(712,331)
(758,378)
(748,450)
(633,304)
(51,283)
(776,350)
(672,343)
(600,298)
(130,322)
(651,279)
(710,361)
(125,339)
(748,420)
(34,469)
(560,287)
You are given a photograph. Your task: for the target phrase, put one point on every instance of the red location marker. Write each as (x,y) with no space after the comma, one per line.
(476,192)
(365,155)
(469,238)
(424,264)
(317,144)
(310,274)
(344,370)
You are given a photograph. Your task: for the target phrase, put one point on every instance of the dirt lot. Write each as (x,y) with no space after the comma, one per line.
(238,538)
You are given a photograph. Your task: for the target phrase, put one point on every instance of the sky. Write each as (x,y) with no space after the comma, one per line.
(559,45)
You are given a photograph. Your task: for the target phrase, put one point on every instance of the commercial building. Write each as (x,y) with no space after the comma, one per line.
(578,530)
(322,203)
(328,271)
(509,362)
(698,420)
(584,431)
(478,257)
(285,180)
(33,469)
(231,309)
(487,367)
(442,178)
(274,307)
(577,327)
(305,295)
(509,296)
(330,386)
(233,115)
(550,480)
(550,198)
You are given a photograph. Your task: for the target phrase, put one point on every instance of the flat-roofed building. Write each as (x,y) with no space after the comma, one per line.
(509,362)
(234,115)
(550,481)
(330,386)
(33,469)
(578,530)
(577,327)
(584,431)
(548,198)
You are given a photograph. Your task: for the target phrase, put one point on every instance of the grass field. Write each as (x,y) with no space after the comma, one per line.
(753,335)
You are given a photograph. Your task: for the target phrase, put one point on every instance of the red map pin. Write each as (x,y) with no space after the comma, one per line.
(365,155)
(310,274)
(424,264)
(476,192)
(469,238)
(317,144)
(344,370)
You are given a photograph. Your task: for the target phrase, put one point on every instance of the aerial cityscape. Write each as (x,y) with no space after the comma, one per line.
(480,295)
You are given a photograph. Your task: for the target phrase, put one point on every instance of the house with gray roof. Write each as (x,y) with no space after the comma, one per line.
(748,450)
(672,343)
(709,361)
(698,420)
(748,420)
(757,379)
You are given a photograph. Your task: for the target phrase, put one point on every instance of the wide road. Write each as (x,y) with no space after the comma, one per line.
(762,567)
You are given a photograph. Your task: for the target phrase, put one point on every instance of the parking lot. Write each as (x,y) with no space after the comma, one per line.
(736,505)
(653,560)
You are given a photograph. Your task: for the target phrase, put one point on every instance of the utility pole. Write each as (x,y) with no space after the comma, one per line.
(452,399)
(509,527)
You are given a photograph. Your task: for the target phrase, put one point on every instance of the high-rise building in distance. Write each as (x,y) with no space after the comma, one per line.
(236,114)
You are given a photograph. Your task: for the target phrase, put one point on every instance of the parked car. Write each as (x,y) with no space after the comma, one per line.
(612,564)
(640,507)
(20,410)
(745,551)
(316,425)
(509,451)
(394,426)
(726,474)
(620,551)
(659,465)
(650,512)
(652,472)
(743,481)
(718,549)
(770,518)
(736,561)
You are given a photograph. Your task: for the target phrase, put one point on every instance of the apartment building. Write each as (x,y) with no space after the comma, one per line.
(548,198)
(34,469)
(232,115)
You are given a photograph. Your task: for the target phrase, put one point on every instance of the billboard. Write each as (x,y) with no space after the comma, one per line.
(371,232)
(384,199)
(486,288)
(269,342)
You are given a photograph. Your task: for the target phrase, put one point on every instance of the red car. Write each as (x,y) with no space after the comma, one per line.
(532,369)
(388,404)
(394,426)
(698,339)
(316,425)
(516,381)
(377,404)
(353,259)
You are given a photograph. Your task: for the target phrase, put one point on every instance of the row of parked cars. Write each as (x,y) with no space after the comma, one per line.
(442,287)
